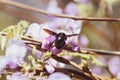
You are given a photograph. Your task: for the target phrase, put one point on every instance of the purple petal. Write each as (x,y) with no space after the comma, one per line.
(83,41)
(15,52)
(3,63)
(114,65)
(55,63)
(12,63)
(48,43)
(17,76)
(53,7)
(41,78)
(38,54)
(59,76)
(75,47)
(73,26)
(97,70)
(82,1)
(16,48)
(71,9)
(49,68)
(54,50)
(34,31)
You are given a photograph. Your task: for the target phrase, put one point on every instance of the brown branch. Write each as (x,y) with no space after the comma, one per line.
(82,50)
(74,73)
(30,8)
(25,15)
(65,61)
(101,52)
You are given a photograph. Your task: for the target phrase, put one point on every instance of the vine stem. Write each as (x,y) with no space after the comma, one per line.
(30,8)
(83,50)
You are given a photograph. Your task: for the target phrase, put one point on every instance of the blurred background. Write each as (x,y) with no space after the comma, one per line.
(98,34)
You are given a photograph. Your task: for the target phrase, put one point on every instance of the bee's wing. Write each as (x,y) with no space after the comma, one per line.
(72,35)
(50,32)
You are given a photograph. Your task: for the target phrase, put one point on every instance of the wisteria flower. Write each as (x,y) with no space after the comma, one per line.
(3,63)
(49,68)
(17,76)
(59,76)
(48,43)
(75,47)
(83,41)
(54,50)
(73,26)
(82,1)
(41,78)
(114,64)
(34,31)
(71,9)
(15,52)
(53,7)
(56,63)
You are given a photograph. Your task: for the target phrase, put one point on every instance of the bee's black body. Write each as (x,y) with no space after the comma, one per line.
(60,40)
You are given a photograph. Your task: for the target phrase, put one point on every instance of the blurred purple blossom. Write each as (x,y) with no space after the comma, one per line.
(75,47)
(56,24)
(97,70)
(73,26)
(53,7)
(34,31)
(3,63)
(83,41)
(15,52)
(82,1)
(114,65)
(59,76)
(17,76)
(71,9)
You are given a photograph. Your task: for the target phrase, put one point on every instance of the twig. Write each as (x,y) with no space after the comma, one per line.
(63,60)
(103,52)
(27,7)
(80,70)
(106,67)
(74,73)
(83,50)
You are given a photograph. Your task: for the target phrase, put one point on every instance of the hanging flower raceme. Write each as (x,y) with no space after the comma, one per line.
(15,52)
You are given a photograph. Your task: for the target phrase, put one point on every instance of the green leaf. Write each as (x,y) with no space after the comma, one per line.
(3,42)
(46,55)
(34,50)
(23,23)
(97,62)
(87,57)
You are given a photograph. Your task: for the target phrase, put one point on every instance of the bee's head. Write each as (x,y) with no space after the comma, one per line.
(61,35)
